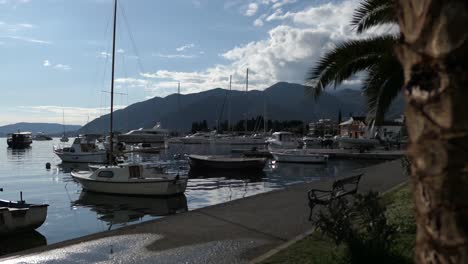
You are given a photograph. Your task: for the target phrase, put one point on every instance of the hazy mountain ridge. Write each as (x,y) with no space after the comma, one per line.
(284,101)
(47,128)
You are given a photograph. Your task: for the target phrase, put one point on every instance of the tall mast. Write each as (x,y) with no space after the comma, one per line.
(178,103)
(111,128)
(178,97)
(246,95)
(265,122)
(229,104)
(63,121)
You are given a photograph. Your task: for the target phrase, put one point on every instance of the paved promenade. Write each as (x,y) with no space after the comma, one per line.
(234,232)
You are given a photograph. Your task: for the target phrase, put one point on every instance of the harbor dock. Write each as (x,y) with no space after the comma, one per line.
(233,232)
(333,153)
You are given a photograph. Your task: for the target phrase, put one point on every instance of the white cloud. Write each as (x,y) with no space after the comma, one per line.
(285,55)
(103,54)
(26,39)
(259,21)
(62,67)
(251,9)
(120,51)
(15,27)
(14,2)
(53,113)
(185,47)
(58,66)
(174,56)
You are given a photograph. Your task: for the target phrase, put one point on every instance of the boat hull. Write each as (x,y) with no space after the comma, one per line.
(162,187)
(14,220)
(299,157)
(252,164)
(19,145)
(98,157)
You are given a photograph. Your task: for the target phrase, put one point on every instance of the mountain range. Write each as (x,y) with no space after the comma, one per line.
(47,128)
(281,101)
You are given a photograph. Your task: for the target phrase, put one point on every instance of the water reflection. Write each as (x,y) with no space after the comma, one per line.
(122,209)
(67,167)
(21,241)
(19,154)
(252,176)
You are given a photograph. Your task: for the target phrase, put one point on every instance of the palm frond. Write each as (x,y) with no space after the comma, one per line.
(347,59)
(372,13)
(382,86)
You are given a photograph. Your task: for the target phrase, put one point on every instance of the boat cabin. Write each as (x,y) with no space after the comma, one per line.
(284,137)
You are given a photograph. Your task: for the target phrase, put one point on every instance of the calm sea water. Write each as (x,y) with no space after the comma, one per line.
(73,213)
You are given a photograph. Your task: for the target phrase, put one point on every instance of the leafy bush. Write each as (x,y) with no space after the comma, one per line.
(362,227)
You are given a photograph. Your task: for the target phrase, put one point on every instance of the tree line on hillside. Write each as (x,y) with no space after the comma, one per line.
(253,125)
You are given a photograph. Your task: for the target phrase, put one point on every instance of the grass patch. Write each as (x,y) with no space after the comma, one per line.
(319,250)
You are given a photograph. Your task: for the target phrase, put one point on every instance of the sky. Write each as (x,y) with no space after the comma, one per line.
(55,54)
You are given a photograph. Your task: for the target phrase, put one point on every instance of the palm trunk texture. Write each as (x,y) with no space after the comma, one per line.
(434,54)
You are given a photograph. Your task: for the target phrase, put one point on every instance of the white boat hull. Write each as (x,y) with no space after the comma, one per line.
(299,156)
(96,157)
(144,180)
(21,219)
(168,187)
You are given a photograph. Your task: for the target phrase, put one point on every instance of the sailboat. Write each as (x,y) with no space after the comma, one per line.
(128,178)
(64,137)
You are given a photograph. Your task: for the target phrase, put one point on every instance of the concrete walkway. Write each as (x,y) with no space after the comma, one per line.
(234,232)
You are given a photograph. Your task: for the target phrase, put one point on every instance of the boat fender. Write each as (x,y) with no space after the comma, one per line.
(47,165)
(176,178)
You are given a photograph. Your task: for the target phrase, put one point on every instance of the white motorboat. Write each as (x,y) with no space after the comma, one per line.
(299,156)
(155,135)
(312,142)
(197,138)
(41,137)
(64,138)
(131,179)
(357,143)
(21,216)
(85,148)
(282,140)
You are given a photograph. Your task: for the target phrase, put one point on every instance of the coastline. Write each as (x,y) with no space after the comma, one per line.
(255,224)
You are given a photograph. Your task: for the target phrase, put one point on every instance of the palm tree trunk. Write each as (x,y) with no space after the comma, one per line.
(433,52)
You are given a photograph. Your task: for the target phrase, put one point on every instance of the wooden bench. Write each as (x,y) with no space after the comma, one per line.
(339,189)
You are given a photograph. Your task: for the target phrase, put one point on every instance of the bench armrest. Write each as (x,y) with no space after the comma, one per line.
(312,193)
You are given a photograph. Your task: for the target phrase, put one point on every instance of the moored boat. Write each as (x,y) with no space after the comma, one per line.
(282,140)
(155,135)
(226,163)
(20,216)
(299,156)
(19,140)
(84,149)
(41,137)
(131,179)
(64,138)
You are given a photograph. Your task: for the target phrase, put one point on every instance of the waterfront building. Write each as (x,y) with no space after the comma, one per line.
(354,127)
(323,127)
